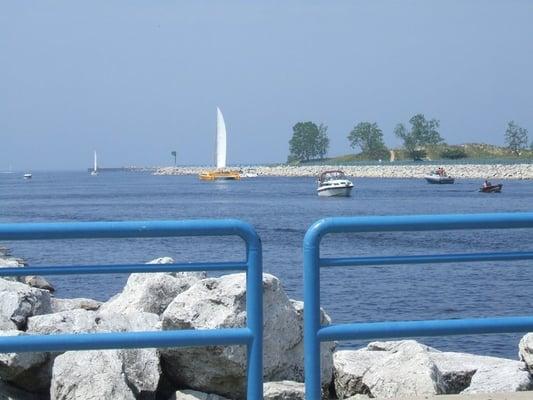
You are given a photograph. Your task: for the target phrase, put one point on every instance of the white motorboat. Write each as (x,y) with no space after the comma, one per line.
(334,183)
(439,176)
(27,176)
(94,172)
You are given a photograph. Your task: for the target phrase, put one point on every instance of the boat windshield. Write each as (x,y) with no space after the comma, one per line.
(331,175)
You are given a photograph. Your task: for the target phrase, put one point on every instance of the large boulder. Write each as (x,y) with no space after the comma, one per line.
(151,292)
(506,376)
(284,390)
(141,365)
(221,303)
(10,392)
(21,369)
(90,375)
(19,301)
(387,369)
(525,350)
(195,395)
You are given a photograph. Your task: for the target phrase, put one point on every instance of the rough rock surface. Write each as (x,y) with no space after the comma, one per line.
(284,390)
(136,361)
(59,305)
(105,379)
(507,376)
(19,301)
(525,350)
(9,392)
(151,292)
(195,395)
(21,368)
(220,303)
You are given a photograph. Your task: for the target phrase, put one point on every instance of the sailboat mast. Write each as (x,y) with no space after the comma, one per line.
(95,168)
(221,141)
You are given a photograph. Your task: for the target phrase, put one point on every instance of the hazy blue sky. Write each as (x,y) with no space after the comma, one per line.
(137,79)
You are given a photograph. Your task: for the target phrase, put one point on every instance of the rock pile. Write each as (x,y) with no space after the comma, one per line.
(468,171)
(168,301)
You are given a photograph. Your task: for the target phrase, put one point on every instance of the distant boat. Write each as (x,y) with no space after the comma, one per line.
(27,176)
(220,155)
(95,167)
(334,183)
(439,176)
(491,188)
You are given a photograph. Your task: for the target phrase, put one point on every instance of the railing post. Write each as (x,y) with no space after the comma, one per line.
(312,314)
(254,316)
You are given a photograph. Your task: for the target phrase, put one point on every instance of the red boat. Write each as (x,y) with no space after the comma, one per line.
(491,188)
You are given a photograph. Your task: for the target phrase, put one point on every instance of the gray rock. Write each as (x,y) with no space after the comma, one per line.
(90,375)
(151,292)
(19,301)
(387,369)
(141,365)
(525,350)
(349,368)
(59,305)
(9,392)
(403,373)
(220,303)
(284,390)
(21,369)
(195,395)
(507,376)
(31,280)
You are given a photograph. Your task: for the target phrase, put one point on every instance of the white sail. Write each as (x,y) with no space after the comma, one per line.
(220,141)
(95,168)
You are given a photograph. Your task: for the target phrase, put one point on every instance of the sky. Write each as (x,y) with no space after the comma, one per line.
(135,80)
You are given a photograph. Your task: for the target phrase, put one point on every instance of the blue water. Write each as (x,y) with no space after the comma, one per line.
(282,209)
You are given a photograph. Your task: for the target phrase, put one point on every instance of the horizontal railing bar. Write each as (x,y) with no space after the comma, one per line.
(425,259)
(125,340)
(123,268)
(123,229)
(402,329)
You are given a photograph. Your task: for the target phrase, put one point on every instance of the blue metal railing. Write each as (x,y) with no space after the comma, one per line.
(314,333)
(251,335)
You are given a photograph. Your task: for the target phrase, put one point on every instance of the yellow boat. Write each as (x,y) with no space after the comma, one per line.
(214,175)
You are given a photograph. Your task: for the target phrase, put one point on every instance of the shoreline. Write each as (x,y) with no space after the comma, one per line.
(468,171)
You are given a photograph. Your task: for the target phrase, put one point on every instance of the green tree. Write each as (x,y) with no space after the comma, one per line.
(369,138)
(423,133)
(309,141)
(515,138)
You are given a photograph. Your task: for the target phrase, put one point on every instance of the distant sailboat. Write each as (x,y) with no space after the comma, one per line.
(220,154)
(95,167)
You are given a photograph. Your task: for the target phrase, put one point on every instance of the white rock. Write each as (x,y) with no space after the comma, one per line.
(20,368)
(151,292)
(59,305)
(90,375)
(195,395)
(220,303)
(19,301)
(525,350)
(284,390)
(31,280)
(507,376)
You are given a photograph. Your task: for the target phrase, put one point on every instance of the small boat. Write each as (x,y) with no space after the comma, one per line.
(249,173)
(220,175)
(94,172)
(491,188)
(439,176)
(334,183)
(27,176)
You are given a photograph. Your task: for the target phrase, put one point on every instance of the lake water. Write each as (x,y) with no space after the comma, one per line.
(281,209)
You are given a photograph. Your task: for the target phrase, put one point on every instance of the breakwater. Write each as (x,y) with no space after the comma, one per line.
(470,171)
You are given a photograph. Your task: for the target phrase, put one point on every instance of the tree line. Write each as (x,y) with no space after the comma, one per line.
(310,141)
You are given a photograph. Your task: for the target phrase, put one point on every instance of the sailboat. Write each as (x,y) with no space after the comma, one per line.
(220,155)
(95,167)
